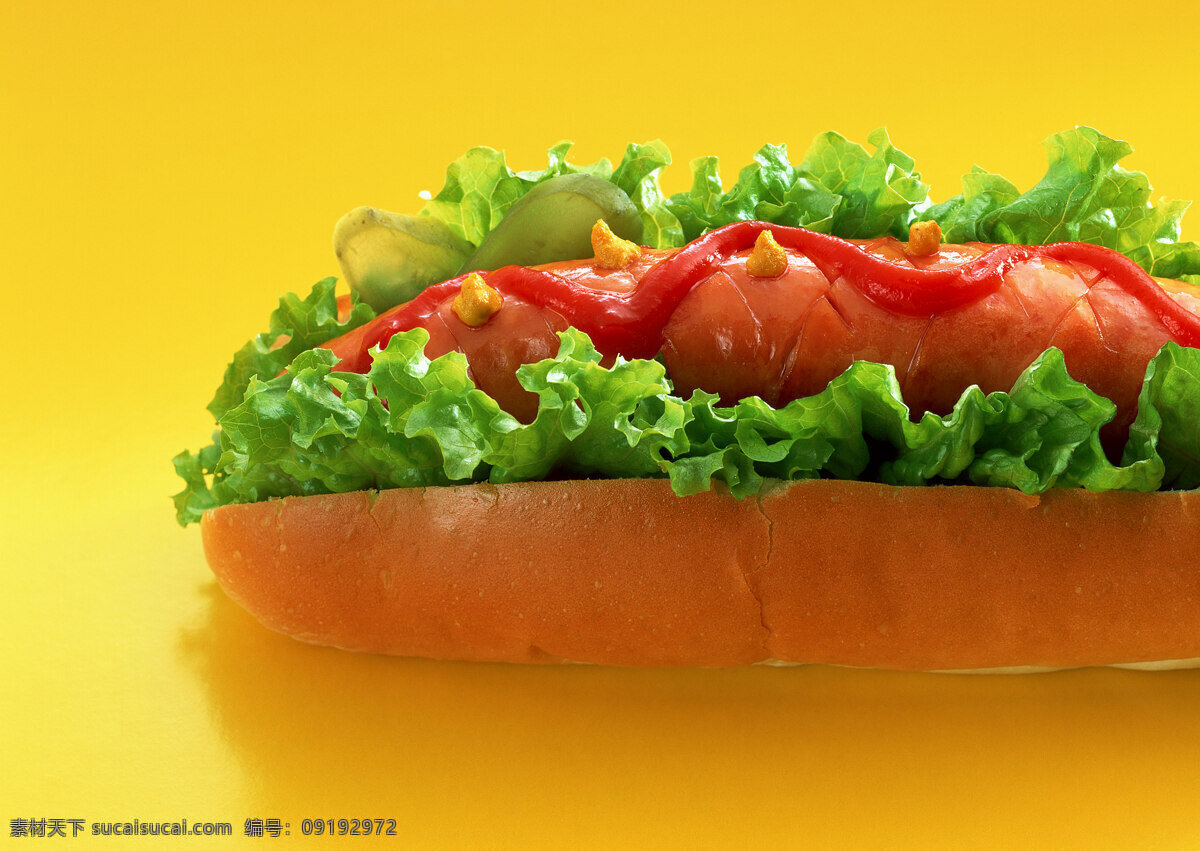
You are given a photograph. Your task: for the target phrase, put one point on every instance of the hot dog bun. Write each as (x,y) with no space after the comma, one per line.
(624,572)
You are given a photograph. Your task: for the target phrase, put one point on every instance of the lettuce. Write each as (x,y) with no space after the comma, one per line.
(1083,197)
(841,189)
(288,424)
(414,421)
(295,326)
(1168,411)
(480,187)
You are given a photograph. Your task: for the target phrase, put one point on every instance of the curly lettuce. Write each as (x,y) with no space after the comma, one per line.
(480,188)
(1083,197)
(842,189)
(415,421)
(839,188)
(287,424)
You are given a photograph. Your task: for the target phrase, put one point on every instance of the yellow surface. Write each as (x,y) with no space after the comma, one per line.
(168,170)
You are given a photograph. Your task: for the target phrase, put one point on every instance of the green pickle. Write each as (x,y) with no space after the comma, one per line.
(388,258)
(554,222)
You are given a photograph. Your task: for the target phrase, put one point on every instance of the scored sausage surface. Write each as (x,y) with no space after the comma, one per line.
(786,337)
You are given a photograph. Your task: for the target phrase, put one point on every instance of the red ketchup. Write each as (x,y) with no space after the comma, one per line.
(631,324)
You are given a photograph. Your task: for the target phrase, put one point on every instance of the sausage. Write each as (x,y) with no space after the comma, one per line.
(740,336)
(964,315)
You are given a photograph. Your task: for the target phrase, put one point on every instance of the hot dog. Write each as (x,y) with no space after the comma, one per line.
(738,372)
(945,320)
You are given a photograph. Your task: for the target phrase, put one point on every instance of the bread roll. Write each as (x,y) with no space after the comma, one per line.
(624,572)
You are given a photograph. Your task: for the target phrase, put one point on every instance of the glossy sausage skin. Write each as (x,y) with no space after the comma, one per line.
(785,337)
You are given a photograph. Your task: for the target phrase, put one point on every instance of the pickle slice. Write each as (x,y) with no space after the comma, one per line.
(389,258)
(554,222)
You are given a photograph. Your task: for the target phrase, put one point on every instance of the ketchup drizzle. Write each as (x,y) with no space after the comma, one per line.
(632,324)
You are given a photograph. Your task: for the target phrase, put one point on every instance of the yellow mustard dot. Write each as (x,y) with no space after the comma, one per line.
(476,301)
(611,251)
(767,259)
(924,238)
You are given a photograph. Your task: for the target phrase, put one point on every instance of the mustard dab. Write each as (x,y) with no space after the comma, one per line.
(767,259)
(476,302)
(611,251)
(924,238)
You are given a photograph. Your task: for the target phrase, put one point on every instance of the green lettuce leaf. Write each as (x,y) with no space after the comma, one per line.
(1168,413)
(294,327)
(480,187)
(1083,197)
(614,422)
(637,176)
(415,421)
(196,472)
(843,190)
(839,189)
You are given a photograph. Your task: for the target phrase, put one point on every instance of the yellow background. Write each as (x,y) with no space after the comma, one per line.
(167,170)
